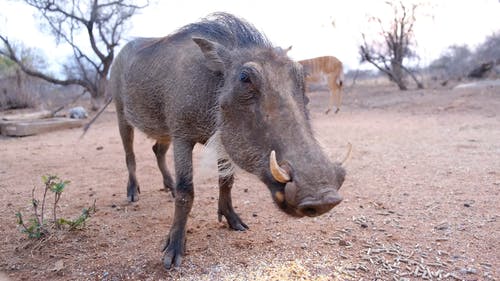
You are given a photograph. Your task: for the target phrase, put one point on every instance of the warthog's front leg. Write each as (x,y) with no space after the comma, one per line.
(175,245)
(160,149)
(225,203)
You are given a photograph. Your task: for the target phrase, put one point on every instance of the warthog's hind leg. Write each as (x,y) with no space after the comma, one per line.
(160,149)
(127,134)
(225,203)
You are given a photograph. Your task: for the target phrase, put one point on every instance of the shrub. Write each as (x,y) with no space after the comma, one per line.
(37,226)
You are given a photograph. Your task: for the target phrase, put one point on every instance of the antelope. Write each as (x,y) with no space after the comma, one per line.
(328,67)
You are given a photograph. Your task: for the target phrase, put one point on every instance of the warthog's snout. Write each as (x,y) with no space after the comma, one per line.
(289,200)
(305,198)
(312,208)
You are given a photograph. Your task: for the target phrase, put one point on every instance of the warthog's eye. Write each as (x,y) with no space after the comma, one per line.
(245,77)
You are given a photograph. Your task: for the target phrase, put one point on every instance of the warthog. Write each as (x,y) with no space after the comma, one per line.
(220,79)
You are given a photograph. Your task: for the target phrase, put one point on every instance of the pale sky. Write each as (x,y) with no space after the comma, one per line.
(306,25)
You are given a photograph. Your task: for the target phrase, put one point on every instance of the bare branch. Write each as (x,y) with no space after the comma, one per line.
(412,75)
(12,56)
(395,45)
(51,6)
(101,21)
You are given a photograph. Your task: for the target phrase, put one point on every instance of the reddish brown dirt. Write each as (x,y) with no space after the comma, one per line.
(421,199)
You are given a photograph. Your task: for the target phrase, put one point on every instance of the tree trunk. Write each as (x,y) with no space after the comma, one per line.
(402,85)
(397,75)
(19,83)
(98,97)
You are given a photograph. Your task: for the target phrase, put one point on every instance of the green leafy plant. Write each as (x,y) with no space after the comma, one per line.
(33,229)
(37,227)
(79,222)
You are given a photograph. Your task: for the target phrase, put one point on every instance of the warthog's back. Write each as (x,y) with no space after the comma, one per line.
(163,88)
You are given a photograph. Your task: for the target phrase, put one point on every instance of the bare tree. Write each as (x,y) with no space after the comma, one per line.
(489,50)
(16,89)
(454,62)
(486,57)
(396,46)
(102,21)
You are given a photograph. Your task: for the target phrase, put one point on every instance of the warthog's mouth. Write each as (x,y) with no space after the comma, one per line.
(308,207)
(316,200)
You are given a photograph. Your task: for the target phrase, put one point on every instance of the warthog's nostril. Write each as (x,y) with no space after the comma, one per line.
(316,208)
(309,211)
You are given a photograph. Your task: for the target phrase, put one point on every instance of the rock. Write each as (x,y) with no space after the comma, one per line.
(470,270)
(78,113)
(58,266)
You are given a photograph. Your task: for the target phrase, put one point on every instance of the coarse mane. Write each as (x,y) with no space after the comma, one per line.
(225,29)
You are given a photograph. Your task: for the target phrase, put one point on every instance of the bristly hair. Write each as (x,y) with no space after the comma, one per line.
(214,152)
(226,29)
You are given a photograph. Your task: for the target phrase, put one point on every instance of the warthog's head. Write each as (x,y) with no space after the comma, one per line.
(264,127)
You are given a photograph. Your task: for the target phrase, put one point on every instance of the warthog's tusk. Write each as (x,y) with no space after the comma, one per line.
(278,173)
(349,152)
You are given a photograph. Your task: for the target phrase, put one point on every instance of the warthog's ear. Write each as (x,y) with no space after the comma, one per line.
(214,52)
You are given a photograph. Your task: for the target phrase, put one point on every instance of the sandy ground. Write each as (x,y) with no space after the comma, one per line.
(421,200)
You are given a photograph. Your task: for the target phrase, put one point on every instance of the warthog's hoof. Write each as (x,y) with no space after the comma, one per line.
(174,250)
(133,198)
(171,190)
(233,220)
(133,191)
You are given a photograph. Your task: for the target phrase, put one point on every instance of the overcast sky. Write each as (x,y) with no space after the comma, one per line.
(307,25)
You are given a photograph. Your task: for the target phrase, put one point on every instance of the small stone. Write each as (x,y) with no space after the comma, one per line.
(468,270)
(343,243)
(59,265)
(442,226)
(77,113)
